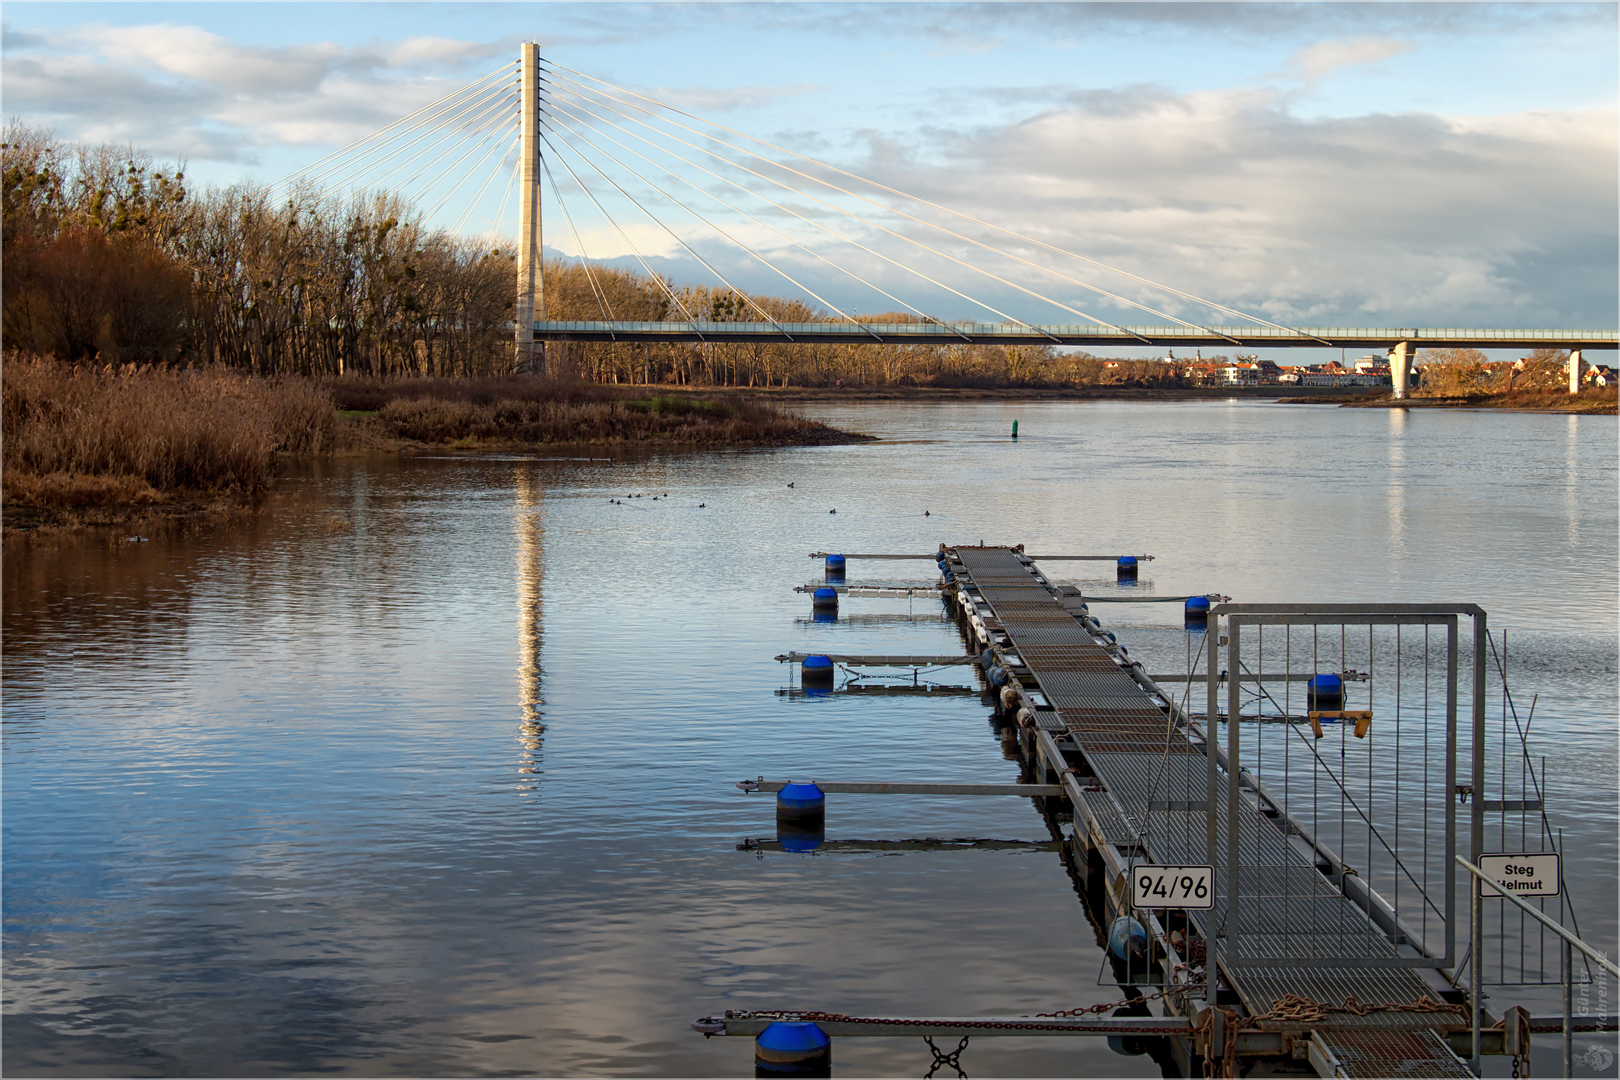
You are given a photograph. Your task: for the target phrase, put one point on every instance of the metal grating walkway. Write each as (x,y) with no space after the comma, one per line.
(1153,771)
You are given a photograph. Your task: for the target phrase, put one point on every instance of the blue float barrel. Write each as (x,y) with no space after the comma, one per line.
(1196,612)
(997,675)
(1127,566)
(801,803)
(835,568)
(816,671)
(825,599)
(1324,692)
(792,1049)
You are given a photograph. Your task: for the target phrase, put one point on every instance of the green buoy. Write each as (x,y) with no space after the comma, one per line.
(1015,429)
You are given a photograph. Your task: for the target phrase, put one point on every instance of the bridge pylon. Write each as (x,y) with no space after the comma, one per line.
(530,355)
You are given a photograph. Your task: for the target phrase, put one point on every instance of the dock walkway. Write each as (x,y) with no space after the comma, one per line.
(1135,770)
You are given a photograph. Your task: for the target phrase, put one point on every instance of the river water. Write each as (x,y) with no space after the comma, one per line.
(428,768)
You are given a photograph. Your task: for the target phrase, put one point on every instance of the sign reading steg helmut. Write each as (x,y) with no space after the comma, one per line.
(1532,873)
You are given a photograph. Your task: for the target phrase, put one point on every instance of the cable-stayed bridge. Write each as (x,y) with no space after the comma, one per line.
(646,180)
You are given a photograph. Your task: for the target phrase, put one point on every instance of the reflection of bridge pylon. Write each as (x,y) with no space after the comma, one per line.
(530,555)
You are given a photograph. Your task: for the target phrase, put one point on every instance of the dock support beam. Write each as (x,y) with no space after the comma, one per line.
(1400,368)
(531,301)
(1577,368)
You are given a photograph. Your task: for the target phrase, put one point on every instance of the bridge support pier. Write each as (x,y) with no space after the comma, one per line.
(1577,368)
(1400,368)
(531,296)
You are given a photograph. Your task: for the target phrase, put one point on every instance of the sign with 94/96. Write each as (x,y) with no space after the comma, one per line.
(1172,886)
(1531,873)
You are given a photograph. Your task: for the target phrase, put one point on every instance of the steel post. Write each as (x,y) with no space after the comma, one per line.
(1569,1010)
(1234,771)
(1476,972)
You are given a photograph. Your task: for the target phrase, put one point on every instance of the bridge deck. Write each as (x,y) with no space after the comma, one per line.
(1148,767)
(925,333)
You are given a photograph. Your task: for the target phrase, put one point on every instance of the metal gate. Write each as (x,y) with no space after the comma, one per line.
(1332,820)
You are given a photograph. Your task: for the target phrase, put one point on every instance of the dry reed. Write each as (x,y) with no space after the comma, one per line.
(82,436)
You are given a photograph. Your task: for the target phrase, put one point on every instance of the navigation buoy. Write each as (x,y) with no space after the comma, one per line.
(1015,429)
(787,1048)
(835,568)
(1127,567)
(1324,693)
(816,671)
(825,599)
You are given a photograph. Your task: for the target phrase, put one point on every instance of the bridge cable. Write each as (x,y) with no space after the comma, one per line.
(493,110)
(657,278)
(797,191)
(496,142)
(409,116)
(716,228)
(428,138)
(455,229)
(585,256)
(748,299)
(940,284)
(917,243)
(1040,296)
(808,251)
(428,128)
(500,215)
(956,213)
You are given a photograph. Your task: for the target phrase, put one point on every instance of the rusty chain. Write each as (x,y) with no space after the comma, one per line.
(1292,1008)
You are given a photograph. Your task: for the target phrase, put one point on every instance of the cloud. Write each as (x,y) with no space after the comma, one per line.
(184,92)
(1409,219)
(1310,65)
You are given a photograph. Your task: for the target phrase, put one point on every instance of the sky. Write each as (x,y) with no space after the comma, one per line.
(1433,165)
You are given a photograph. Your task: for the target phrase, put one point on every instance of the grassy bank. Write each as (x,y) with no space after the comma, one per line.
(501,411)
(1594,401)
(94,444)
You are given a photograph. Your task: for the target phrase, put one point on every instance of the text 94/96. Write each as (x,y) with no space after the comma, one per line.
(1172,886)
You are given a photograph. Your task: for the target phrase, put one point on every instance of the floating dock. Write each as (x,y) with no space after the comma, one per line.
(1236,907)
(1116,741)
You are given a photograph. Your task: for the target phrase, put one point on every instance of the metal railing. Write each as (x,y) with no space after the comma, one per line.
(1476,981)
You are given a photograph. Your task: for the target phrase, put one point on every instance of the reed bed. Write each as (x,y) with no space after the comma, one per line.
(80,436)
(597,418)
(88,436)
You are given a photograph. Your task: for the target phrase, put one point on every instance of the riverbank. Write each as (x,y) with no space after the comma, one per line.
(1590,402)
(104,446)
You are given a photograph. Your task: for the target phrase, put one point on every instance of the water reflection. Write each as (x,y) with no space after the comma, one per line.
(528,521)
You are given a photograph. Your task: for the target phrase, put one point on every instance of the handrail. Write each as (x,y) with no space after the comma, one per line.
(1605,964)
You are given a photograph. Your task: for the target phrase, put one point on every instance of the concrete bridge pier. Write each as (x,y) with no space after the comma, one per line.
(1577,368)
(1400,367)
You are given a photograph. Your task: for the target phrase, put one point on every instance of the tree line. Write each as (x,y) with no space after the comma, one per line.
(112,258)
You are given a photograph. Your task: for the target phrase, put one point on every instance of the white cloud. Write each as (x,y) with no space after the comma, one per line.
(1315,62)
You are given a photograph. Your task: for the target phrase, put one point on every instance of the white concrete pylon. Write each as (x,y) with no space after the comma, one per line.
(531,297)
(1400,368)
(1577,368)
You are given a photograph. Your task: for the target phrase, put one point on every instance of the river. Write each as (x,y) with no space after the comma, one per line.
(428,768)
